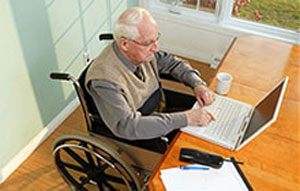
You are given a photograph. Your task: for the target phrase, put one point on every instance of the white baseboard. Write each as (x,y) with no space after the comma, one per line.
(37,140)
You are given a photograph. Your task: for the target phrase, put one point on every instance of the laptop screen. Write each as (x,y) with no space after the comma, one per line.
(264,111)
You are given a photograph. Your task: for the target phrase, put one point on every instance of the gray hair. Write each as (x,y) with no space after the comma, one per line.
(126,25)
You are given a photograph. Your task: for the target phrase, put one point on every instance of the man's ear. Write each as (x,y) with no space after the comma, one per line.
(123,44)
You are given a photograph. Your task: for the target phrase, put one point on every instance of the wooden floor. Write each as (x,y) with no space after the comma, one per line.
(38,172)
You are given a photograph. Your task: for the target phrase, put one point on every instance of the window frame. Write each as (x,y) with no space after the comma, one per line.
(223,20)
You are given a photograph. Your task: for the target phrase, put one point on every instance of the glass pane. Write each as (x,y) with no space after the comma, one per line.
(192,4)
(208,5)
(201,5)
(280,13)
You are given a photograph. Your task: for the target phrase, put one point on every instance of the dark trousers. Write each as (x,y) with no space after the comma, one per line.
(174,102)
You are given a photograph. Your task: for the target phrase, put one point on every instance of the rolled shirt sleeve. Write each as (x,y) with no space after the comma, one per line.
(116,113)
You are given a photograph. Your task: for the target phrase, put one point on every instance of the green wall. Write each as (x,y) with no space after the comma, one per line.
(36,38)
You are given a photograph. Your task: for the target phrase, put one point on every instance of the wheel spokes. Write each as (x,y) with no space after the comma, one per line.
(72,166)
(86,166)
(89,156)
(75,156)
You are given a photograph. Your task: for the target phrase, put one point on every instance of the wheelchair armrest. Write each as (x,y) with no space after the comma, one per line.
(106,36)
(60,76)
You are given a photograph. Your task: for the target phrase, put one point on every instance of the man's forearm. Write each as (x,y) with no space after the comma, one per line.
(178,68)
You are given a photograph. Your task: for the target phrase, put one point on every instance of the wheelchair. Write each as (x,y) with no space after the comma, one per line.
(100,160)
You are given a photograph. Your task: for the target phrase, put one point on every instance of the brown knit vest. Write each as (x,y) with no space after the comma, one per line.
(108,67)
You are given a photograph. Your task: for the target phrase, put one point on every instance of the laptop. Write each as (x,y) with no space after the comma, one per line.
(237,123)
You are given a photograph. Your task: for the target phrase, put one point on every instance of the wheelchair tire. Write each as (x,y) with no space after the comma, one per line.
(86,163)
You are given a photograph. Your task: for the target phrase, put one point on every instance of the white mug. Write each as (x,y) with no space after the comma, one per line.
(224,80)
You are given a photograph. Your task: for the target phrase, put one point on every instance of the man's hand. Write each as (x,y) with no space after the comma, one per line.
(199,117)
(204,95)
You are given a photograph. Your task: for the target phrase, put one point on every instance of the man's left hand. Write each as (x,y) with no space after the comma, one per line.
(204,95)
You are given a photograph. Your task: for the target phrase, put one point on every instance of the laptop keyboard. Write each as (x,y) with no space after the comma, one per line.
(227,114)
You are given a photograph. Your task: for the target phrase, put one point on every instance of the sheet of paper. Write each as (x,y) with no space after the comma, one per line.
(226,178)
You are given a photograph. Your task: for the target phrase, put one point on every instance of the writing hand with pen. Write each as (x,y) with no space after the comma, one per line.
(200,116)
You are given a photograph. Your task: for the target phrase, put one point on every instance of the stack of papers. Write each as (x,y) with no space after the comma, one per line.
(225,178)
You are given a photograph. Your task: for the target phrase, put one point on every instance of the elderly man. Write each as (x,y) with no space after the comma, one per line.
(125,85)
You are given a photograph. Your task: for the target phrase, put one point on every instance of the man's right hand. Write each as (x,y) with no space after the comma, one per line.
(199,117)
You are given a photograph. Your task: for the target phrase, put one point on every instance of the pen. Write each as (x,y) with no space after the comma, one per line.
(193,168)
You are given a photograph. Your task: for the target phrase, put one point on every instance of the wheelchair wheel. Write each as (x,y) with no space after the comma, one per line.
(87,163)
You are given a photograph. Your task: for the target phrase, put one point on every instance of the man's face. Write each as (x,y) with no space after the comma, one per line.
(142,49)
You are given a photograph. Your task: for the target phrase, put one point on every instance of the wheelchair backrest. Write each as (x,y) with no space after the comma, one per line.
(85,98)
(89,100)
(91,108)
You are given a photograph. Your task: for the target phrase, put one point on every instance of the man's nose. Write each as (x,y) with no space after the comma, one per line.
(154,47)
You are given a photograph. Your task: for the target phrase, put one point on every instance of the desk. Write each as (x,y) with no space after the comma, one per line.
(271,159)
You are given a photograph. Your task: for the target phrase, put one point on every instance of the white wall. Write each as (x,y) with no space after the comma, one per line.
(199,38)
(192,41)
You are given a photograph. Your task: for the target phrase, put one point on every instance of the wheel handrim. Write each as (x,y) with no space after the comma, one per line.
(91,170)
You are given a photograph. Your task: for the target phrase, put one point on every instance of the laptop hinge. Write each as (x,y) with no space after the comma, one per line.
(237,142)
(242,129)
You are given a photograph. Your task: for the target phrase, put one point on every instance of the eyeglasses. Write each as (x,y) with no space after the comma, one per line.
(147,45)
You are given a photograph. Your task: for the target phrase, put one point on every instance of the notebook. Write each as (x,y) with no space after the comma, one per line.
(237,123)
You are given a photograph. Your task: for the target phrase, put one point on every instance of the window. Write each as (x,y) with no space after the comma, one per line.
(280,13)
(199,5)
(279,19)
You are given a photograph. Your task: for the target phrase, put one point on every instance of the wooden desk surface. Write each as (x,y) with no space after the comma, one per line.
(272,159)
